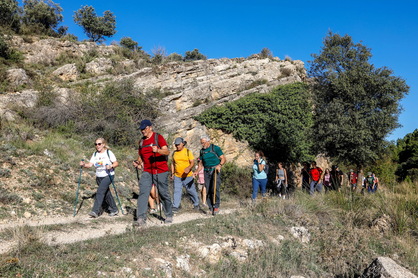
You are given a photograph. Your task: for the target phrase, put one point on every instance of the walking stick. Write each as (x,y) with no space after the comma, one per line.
(116,192)
(214,189)
(76,193)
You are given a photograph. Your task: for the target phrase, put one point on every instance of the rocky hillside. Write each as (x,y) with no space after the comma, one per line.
(185,88)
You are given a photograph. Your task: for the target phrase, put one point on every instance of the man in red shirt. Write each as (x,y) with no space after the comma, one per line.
(315,174)
(152,159)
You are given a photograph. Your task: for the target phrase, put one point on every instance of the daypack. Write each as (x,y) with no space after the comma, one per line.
(156,143)
(369,181)
(266,166)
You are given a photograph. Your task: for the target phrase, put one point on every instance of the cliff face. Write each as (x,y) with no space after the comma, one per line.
(188,87)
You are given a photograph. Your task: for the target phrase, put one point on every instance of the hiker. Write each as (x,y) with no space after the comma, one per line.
(337,178)
(353,178)
(281,180)
(326,180)
(305,177)
(376,182)
(259,180)
(211,160)
(105,162)
(152,159)
(315,174)
(201,185)
(369,183)
(181,172)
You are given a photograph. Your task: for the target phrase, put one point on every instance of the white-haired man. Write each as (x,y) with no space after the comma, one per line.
(211,160)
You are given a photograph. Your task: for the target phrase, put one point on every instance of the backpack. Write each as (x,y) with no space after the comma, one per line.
(156,135)
(266,166)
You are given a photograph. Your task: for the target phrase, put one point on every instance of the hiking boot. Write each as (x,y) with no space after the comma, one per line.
(168,220)
(139,223)
(197,208)
(93,214)
(215,211)
(175,210)
(153,211)
(114,213)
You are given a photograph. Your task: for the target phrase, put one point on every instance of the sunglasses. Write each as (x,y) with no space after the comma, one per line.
(97,144)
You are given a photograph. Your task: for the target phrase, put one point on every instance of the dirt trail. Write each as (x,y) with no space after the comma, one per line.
(89,228)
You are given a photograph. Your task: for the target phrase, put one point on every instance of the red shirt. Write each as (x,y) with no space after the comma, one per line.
(154,163)
(315,173)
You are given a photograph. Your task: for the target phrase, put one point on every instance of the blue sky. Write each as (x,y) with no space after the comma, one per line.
(288,28)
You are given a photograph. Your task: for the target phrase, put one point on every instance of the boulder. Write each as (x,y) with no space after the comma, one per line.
(385,267)
(67,72)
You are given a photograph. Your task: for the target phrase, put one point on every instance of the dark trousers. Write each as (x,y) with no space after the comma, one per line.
(209,184)
(104,199)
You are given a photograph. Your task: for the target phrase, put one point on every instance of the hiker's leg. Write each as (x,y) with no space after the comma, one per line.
(178,190)
(161,180)
(103,183)
(110,200)
(191,190)
(255,189)
(312,187)
(145,184)
(218,190)
(208,186)
(263,186)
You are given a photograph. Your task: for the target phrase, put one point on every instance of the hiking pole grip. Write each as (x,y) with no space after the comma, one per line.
(78,188)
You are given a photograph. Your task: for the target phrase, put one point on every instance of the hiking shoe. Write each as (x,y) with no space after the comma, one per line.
(140,223)
(196,207)
(153,210)
(175,210)
(215,211)
(114,213)
(93,214)
(168,220)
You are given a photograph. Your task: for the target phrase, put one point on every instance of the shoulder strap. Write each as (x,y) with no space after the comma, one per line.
(108,155)
(155,141)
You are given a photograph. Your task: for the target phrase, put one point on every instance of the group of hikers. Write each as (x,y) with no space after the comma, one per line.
(152,159)
(314,178)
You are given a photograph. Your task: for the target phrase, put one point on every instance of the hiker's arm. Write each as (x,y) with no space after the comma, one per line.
(138,163)
(189,168)
(113,165)
(199,168)
(285,176)
(261,166)
(86,165)
(223,160)
(163,151)
(172,169)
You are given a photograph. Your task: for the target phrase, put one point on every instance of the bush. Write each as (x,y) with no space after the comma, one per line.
(112,112)
(236,180)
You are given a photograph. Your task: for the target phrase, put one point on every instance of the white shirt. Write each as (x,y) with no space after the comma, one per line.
(100,160)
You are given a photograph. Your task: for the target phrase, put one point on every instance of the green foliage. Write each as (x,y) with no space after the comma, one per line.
(266,53)
(356,105)
(408,157)
(9,14)
(41,15)
(95,27)
(174,57)
(236,180)
(277,123)
(129,43)
(194,55)
(112,112)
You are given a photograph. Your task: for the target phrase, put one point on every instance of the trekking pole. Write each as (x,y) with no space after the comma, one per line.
(116,192)
(156,187)
(76,193)
(214,189)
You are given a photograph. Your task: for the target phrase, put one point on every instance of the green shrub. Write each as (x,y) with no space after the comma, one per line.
(236,180)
